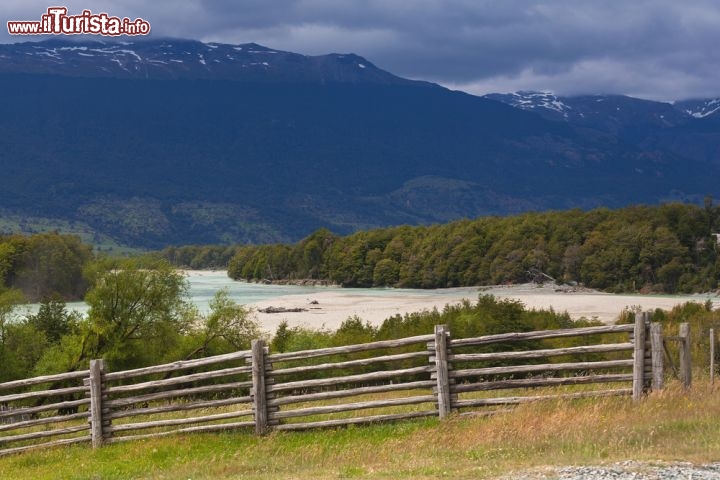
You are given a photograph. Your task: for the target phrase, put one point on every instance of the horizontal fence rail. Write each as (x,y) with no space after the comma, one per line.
(422,376)
(601,366)
(211,394)
(304,388)
(44,411)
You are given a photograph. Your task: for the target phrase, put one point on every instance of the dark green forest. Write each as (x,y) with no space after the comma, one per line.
(669,248)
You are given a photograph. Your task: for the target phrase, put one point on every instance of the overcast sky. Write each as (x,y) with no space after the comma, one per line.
(655,49)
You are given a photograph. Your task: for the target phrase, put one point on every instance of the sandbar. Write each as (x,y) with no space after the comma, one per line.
(328,309)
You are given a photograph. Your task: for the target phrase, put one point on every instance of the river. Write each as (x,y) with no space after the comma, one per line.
(204,284)
(329,306)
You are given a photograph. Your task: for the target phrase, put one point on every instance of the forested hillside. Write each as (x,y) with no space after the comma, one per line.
(257,145)
(668,248)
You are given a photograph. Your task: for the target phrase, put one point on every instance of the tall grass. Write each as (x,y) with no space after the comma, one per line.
(668,425)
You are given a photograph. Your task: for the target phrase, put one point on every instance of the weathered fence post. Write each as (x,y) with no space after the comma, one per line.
(639,356)
(97,369)
(685,360)
(259,394)
(658,356)
(441,364)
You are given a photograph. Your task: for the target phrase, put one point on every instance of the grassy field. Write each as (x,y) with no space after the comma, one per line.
(672,425)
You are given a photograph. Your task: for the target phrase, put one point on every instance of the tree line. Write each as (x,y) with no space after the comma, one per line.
(667,248)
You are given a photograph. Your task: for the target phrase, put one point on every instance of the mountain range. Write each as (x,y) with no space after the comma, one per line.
(162,142)
(687,128)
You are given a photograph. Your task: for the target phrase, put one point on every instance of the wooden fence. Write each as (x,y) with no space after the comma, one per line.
(54,412)
(430,375)
(216,389)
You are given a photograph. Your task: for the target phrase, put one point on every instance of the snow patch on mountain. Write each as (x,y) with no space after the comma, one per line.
(610,112)
(531,100)
(701,108)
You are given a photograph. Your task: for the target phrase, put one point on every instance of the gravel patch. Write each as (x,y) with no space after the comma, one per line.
(629,470)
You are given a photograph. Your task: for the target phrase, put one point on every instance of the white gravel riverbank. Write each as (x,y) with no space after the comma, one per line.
(330,307)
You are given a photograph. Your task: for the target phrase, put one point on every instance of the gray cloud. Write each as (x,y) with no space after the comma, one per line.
(660,49)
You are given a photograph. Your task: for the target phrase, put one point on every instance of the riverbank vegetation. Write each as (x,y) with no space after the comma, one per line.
(669,248)
(672,248)
(139,315)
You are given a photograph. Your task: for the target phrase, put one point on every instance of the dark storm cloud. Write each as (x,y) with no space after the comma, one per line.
(651,48)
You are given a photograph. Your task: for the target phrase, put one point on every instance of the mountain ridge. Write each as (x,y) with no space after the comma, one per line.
(163,59)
